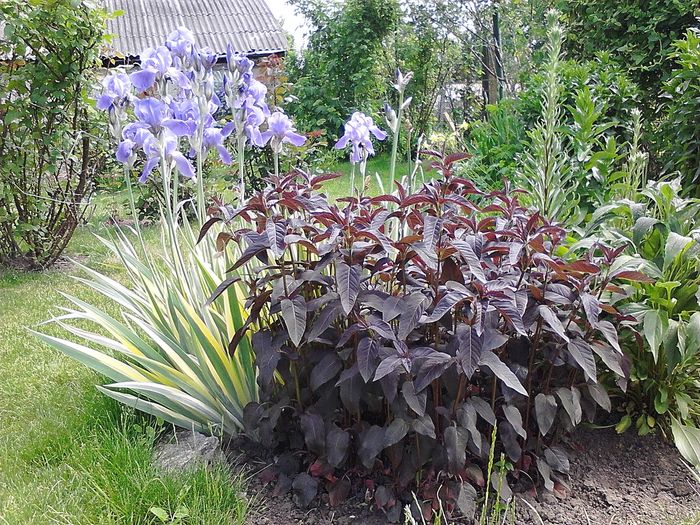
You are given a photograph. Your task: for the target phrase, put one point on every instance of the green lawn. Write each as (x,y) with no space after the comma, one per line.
(69,455)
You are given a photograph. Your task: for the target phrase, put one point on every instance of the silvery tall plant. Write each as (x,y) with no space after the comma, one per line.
(168,354)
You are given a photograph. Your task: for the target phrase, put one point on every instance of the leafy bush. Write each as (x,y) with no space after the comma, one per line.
(495,143)
(49,158)
(681,125)
(400,330)
(662,232)
(637,33)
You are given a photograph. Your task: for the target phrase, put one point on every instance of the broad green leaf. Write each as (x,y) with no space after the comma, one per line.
(655,326)
(687,439)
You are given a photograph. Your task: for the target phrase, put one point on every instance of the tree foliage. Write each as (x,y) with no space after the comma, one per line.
(48,50)
(342,68)
(638,33)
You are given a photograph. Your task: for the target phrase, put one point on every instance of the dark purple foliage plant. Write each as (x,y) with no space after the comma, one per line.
(393,333)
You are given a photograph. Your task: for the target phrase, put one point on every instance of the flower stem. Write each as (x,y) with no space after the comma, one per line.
(395,141)
(241,164)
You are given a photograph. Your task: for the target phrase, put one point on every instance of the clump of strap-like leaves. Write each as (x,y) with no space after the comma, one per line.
(397,331)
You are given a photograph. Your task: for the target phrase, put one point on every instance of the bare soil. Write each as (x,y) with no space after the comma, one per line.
(614,480)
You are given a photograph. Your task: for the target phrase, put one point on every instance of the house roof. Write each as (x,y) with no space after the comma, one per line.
(248,25)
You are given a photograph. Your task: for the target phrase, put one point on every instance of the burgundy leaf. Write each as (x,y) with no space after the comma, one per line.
(387,366)
(553,321)
(326,369)
(500,370)
(206,227)
(581,351)
(324,320)
(371,444)
(348,278)
(546,412)
(467,251)
(591,305)
(431,367)
(275,234)
(416,402)
(337,442)
(366,357)
(304,490)
(314,432)
(294,316)
(456,440)
(483,409)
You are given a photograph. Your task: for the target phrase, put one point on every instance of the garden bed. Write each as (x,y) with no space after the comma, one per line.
(615,479)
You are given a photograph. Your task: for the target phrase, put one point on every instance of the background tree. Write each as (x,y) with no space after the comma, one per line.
(49,50)
(342,68)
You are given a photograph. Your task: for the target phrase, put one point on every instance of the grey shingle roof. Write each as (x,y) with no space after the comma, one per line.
(249,25)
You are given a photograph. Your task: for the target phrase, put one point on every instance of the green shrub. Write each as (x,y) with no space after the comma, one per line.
(395,341)
(662,233)
(48,154)
(681,109)
(638,34)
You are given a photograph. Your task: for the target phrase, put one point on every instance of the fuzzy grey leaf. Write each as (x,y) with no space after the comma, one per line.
(337,442)
(456,439)
(371,444)
(600,395)
(416,402)
(395,432)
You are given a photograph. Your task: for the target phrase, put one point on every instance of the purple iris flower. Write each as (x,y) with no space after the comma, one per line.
(155,115)
(171,154)
(213,138)
(156,64)
(116,92)
(280,130)
(206,58)
(134,136)
(180,42)
(357,132)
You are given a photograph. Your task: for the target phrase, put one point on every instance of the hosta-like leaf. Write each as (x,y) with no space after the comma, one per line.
(466,500)
(546,473)
(546,412)
(294,316)
(581,351)
(483,409)
(424,426)
(557,459)
(510,440)
(687,439)
(655,326)
(304,490)
(348,281)
(502,372)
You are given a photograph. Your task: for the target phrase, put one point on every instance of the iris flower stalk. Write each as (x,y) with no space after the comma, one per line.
(394,119)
